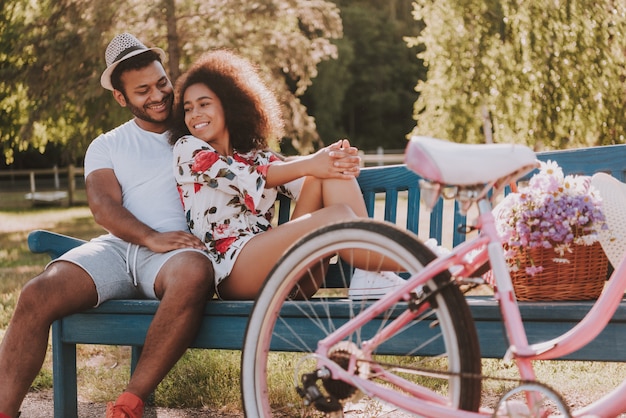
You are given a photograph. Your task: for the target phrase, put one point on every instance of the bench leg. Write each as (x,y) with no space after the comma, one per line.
(64,375)
(135,353)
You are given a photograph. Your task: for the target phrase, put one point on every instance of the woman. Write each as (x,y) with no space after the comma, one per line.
(225,121)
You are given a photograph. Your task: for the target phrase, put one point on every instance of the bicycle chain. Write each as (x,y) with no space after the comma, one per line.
(444,374)
(415,303)
(330,404)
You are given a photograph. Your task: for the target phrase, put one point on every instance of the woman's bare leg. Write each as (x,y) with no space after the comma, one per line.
(320,193)
(321,202)
(317,193)
(260,254)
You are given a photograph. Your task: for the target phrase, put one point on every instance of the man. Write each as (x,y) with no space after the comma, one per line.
(132,194)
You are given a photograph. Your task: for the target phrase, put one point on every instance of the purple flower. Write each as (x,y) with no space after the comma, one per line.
(552,211)
(532,270)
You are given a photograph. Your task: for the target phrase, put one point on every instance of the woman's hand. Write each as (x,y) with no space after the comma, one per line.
(338,160)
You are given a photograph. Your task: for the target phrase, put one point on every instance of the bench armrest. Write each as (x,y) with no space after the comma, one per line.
(51,243)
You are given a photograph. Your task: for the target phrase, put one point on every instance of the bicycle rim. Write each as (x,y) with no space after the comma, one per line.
(438,349)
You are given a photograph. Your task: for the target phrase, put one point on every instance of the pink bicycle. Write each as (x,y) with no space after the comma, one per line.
(416,347)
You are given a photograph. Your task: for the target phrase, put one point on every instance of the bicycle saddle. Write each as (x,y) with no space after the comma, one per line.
(456,164)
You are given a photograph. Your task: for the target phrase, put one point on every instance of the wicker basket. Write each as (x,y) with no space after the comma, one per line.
(582,278)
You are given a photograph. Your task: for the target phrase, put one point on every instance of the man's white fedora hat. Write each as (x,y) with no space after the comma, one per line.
(613,238)
(122,47)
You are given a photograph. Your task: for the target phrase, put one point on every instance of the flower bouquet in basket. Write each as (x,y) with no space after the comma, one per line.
(550,233)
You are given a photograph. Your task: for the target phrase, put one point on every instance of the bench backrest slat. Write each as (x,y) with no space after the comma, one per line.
(587,161)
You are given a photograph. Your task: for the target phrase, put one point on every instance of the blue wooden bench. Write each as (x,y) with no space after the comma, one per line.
(124,322)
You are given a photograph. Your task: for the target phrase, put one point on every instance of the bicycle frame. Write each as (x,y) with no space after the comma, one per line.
(466,258)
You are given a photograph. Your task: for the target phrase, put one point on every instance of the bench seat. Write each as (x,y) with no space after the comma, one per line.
(224,324)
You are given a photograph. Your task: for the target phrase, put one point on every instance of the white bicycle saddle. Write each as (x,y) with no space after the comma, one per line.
(456,164)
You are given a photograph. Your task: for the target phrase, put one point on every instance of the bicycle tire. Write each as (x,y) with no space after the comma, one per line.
(454,326)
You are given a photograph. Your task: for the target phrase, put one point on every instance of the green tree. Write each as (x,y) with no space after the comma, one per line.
(56,57)
(545,73)
(13,93)
(368,94)
(57,45)
(325,98)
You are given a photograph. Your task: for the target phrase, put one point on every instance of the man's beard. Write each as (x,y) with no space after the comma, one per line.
(143,114)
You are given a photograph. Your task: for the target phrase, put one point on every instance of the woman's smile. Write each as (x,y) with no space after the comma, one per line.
(204,117)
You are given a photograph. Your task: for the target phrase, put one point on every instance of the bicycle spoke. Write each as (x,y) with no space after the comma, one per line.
(432,353)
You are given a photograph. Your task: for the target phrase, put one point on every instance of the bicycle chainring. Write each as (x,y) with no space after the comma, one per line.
(341,354)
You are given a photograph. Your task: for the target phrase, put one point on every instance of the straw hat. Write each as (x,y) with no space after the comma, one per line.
(122,47)
(613,193)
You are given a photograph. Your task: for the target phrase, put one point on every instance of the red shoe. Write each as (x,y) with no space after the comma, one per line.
(126,406)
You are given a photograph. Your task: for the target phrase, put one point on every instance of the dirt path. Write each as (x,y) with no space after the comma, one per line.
(40,405)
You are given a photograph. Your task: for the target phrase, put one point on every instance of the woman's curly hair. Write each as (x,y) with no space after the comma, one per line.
(251,110)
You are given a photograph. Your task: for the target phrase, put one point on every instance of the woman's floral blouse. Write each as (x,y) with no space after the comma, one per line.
(224,197)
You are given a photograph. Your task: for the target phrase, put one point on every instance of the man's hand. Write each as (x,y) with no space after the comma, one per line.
(105,201)
(161,242)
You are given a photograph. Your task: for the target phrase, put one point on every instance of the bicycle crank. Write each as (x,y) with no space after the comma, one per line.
(337,391)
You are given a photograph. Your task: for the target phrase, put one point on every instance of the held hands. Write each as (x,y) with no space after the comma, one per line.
(338,160)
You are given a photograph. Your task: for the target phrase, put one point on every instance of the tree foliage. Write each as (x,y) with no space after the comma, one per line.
(53,54)
(57,60)
(548,73)
(286,38)
(368,93)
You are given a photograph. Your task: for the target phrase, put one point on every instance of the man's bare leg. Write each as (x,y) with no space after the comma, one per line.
(60,290)
(184,284)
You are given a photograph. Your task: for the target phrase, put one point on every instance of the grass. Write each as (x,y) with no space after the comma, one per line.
(103,371)
(210,378)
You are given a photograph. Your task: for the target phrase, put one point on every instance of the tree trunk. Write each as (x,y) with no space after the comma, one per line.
(173,48)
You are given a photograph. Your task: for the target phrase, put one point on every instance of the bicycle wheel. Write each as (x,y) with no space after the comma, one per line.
(438,348)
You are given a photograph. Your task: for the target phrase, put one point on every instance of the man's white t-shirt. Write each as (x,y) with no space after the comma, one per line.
(142,162)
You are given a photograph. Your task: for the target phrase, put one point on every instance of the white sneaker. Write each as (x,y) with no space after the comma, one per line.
(373,284)
(441,251)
